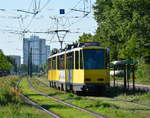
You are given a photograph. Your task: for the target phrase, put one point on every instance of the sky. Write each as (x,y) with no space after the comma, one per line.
(13,22)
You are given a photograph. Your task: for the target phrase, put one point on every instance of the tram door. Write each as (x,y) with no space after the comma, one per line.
(69,66)
(61,67)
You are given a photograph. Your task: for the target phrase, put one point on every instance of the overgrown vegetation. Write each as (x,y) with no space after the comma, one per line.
(143,74)
(8,94)
(11,105)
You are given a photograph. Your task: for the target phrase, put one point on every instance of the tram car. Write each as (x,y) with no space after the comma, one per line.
(80,68)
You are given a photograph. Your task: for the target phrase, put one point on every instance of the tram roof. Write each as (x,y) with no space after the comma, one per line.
(75,49)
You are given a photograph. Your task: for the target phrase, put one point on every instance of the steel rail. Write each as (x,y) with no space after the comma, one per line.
(34,103)
(115,99)
(66,103)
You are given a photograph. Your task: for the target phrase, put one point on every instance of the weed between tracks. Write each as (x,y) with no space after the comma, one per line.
(58,108)
(103,105)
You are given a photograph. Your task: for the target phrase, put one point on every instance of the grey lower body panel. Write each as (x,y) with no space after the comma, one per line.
(86,87)
(90,87)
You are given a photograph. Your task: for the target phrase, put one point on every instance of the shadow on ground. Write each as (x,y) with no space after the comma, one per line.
(113,92)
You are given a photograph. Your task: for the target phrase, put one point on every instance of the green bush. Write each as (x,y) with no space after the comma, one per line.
(8,93)
(143,74)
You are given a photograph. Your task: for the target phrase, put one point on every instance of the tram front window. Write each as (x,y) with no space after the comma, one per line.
(93,59)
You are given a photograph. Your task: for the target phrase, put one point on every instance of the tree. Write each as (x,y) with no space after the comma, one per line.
(54,51)
(131,49)
(13,63)
(123,26)
(86,37)
(5,66)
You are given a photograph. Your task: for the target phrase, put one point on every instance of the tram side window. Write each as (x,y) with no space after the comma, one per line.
(54,63)
(81,59)
(70,60)
(61,62)
(76,59)
(49,64)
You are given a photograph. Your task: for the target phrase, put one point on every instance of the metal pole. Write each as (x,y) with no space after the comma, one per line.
(128,75)
(114,76)
(28,64)
(61,44)
(31,63)
(133,77)
(124,78)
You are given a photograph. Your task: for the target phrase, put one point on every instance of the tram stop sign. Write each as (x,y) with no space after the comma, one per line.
(62,11)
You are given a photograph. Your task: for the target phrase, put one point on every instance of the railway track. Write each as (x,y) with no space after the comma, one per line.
(53,115)
(145,88)
(66,103)
(142,107)
(114,99)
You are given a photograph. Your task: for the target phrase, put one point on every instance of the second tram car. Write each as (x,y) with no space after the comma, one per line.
(80,68)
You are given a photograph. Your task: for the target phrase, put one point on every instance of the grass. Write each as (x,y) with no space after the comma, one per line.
(142,99)
(11,105)
(103,105)
(21,111)
(143,74)
(63,110)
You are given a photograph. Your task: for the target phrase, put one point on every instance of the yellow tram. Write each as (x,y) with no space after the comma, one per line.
(83,67)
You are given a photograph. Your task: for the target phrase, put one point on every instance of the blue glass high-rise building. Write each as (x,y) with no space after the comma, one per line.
(40,50)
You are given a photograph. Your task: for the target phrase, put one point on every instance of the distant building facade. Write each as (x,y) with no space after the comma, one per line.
(40,50)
